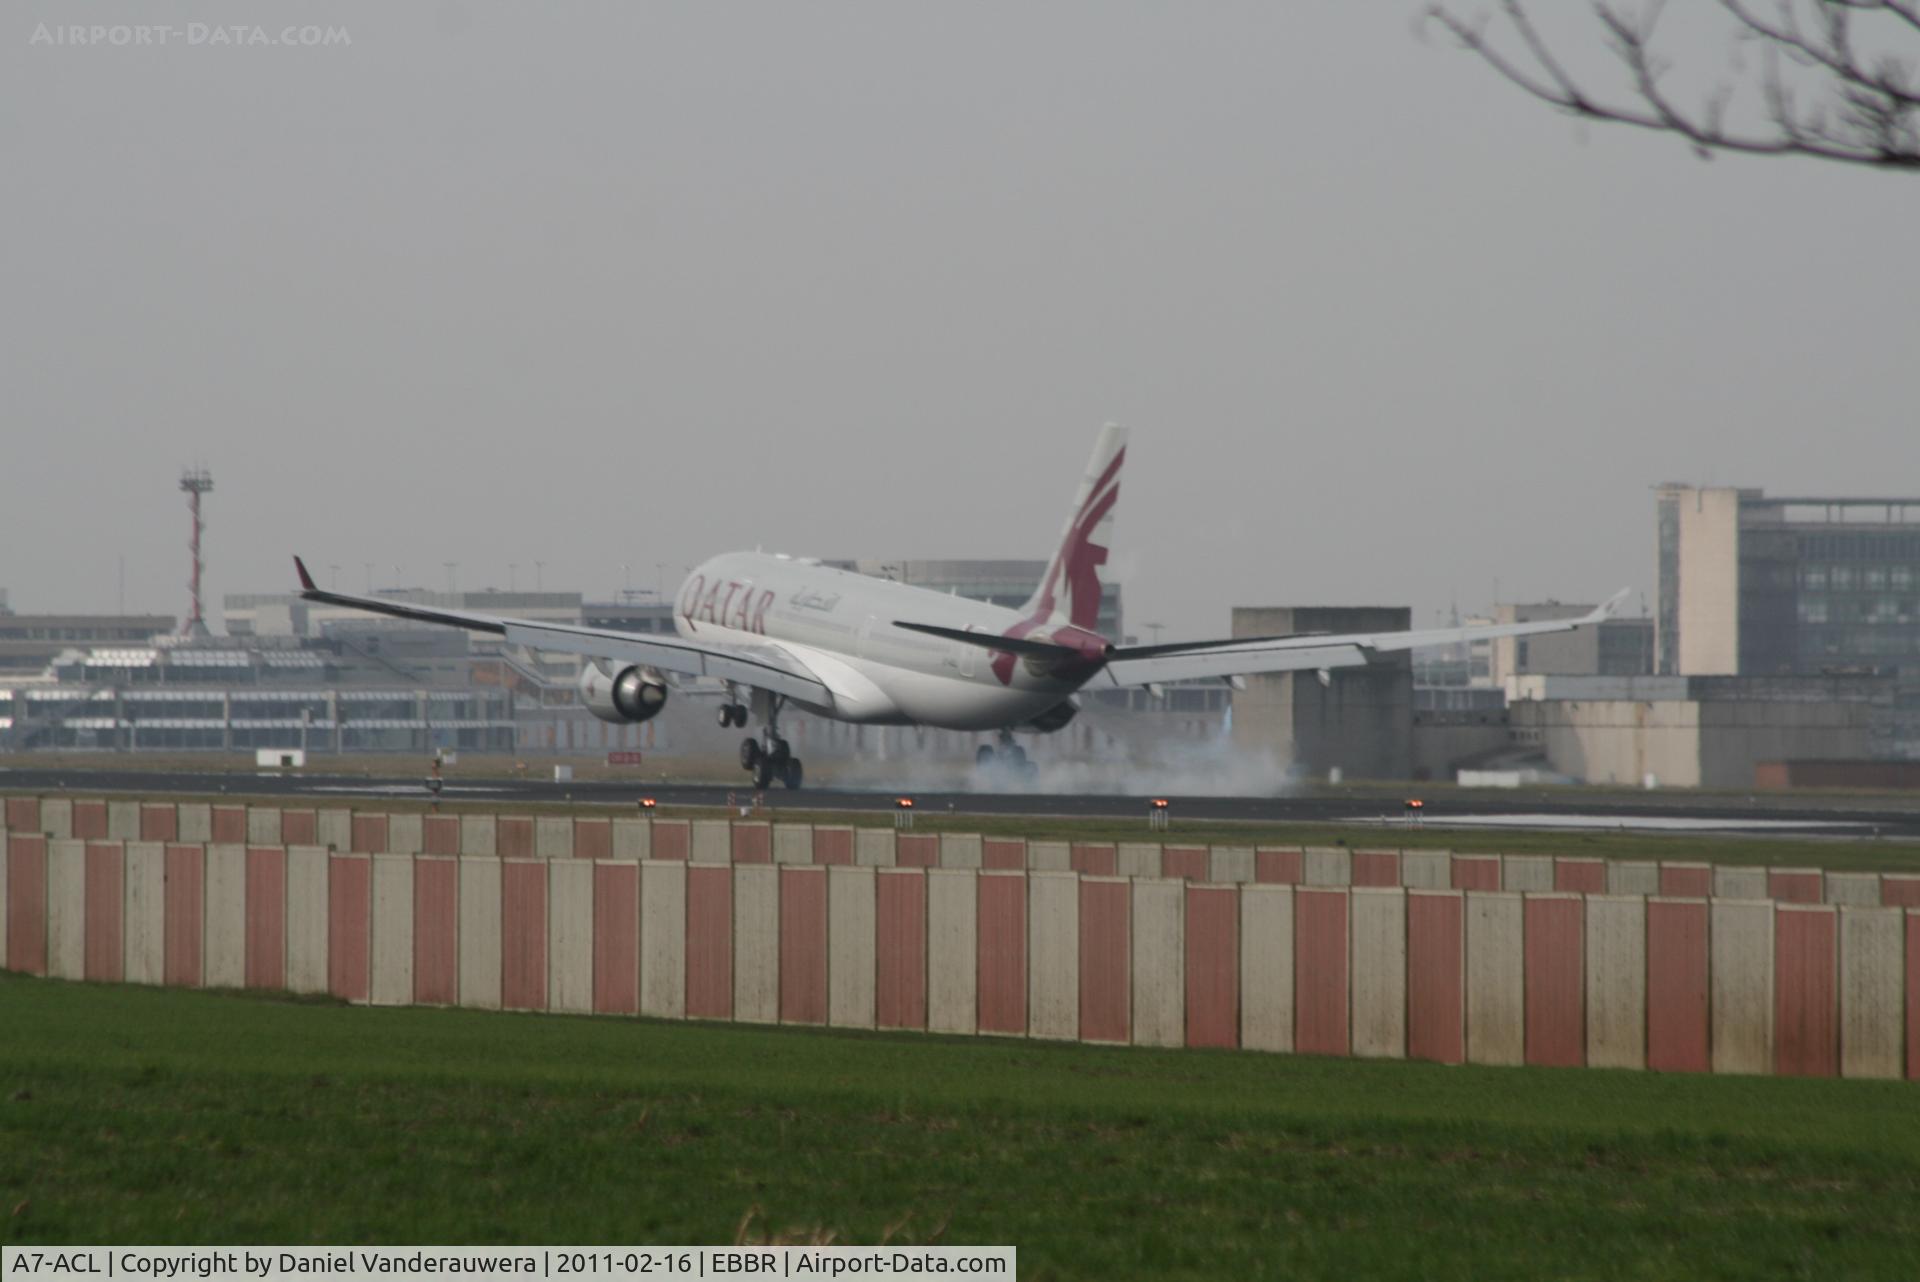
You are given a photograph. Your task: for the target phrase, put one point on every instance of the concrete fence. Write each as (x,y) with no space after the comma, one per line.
(760,841)
(1549,977)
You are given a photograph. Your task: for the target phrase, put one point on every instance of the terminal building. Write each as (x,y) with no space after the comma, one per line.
(1814,588)
(1786,630)
(29,642)
(1758,586)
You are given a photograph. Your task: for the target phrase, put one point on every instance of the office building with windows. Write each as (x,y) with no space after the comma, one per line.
(1755,586)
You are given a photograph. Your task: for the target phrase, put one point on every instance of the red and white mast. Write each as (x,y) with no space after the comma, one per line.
(195,481)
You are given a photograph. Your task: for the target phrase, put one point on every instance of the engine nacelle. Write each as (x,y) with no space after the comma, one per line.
(1056,717)
(631,694)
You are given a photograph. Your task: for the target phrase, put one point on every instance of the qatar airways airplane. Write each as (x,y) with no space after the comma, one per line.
(788,631)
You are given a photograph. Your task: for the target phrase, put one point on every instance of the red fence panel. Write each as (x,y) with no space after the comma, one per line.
(1580,876)
(1677,987)
(1002,943)
(910,851)
(349,926)
(369,835)
(302,828)
(1476,872)
(1376,868)
(1806,1023)
(1556,991)
(27,904)
(513,836)
(1213,965)
(159,823)
(1279,867)
(1007,854)
(183,914)
(753,844)
(266,927)
(1320,971)
(833,846)
(523,934)
(90,822)
(1794,885)
(900,954)
(1094,859)
(439,834)
(672,839)
(803,944)
(1436,978)
(593,839)
(23,814)
(1686,881)
(1188,863)
(710,941)
(436,931)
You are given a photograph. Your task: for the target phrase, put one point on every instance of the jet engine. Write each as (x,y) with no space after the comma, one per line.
(631,694)
(1056,717)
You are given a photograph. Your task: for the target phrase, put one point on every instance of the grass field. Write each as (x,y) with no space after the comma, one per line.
(157,1116)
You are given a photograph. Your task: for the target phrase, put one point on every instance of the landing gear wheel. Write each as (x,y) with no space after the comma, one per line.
(762,773)
(984,756)
(793,776)
(726,716)
(1017,756)
(750,754)
(781,754)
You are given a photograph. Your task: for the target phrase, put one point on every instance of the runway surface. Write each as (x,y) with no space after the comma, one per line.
(1654,812)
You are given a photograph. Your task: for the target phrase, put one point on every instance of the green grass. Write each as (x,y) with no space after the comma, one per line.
(144,1115)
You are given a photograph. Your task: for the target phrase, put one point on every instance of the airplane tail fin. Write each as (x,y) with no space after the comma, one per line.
(1070,592)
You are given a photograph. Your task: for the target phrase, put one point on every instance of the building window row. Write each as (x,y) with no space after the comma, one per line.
(1867,578)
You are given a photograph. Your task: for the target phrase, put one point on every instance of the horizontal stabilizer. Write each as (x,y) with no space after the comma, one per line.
(1196,647)
(994,641)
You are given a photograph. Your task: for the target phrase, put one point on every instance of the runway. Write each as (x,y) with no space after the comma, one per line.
(1671,812)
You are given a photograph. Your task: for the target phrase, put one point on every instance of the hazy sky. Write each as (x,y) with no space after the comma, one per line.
(628,284)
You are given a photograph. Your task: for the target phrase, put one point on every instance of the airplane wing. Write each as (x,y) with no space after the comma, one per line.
(764,667)
(1149,665)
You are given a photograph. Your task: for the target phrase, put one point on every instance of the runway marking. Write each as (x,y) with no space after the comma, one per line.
(397,789)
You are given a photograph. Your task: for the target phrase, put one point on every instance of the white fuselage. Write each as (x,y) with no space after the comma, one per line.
(841,626)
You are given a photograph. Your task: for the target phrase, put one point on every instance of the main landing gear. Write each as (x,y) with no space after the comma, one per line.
(1004,755)
(768,757)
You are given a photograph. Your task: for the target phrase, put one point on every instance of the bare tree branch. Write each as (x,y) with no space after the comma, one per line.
(1864,93)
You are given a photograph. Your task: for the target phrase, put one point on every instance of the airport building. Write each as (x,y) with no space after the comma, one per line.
(1758,586)
(1698,732)
(1358,721)
(225,696)
(29,642)
(1617,647)
(1754,586)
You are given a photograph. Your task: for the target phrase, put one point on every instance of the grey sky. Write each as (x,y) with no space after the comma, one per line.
(635,284)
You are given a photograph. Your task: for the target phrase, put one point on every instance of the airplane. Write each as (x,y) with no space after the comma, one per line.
(783,631)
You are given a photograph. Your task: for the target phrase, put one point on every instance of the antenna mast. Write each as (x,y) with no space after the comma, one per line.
(195,481)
